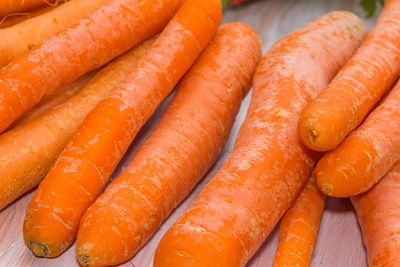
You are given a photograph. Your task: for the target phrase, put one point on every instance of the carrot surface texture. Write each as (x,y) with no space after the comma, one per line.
(14,18)
(269,166)
(181,149)
(12,6)
(360,84)
(24,36)
(378,213)
(28,151)
(84,167)
(366,155)
(87,44)
(299,228)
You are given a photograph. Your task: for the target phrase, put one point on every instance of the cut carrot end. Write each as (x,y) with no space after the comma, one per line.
(38,249)
(326,189)
(84,260)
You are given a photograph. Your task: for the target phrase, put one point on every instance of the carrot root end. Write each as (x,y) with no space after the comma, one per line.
(38,249)
(84,259)
(326,189)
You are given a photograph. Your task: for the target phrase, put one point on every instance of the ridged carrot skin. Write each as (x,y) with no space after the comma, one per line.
(269,166)
(24,36)
(366,155)
(378,213)
(28,151)
(360,84)
(84,167)
(299,228)
(173,159)
(81,47)
(12,6)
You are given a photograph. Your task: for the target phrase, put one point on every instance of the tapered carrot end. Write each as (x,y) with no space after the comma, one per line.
(38,249)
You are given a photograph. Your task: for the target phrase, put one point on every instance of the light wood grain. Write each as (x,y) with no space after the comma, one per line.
(339,242)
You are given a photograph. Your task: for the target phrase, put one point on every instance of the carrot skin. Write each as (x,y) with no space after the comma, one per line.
(360,84)
(13,19)
(85,165)
(13,6)
(28,151)
(366,155)
(299,228)
(191,134)
(81,47)
(378,213)
(24,36)
(269,166)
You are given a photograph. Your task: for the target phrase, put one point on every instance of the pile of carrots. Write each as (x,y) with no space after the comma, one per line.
(79,78)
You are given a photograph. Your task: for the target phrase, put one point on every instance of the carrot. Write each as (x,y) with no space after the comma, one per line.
(299,227)
(366,155)
(28,151)
(378,213)
(24,36)
(269,166)
(84,167)
(14,18)
(81,47)
(181,149)
(55,99)
(343,105)
(12,6)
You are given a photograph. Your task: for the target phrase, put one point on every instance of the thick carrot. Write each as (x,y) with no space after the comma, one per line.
(12,19)
(181,149)
(89,43)
(299,228)
(55,99)
(12,6)
(343,105)
(366,155)
(269,166)
(24,36)
(28,151)
(84,167)
(378,213)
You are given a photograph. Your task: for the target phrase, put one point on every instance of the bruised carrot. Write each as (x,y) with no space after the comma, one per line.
(81,47)
(372,71)
(24,36)
(55,99)
(269,166)
(366,155)
(299,228)
(28,151)
(181,149)
(12,6)
(85,165)
(15,18)
(378,213)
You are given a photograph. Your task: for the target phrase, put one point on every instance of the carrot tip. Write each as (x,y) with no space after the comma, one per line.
(326,189)
(84,260)
(313,134)
(38,249)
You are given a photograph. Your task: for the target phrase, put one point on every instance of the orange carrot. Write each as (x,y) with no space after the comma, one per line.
(366,155)
(299,228)
(14,18)
(84,167)
(24,36)
(343,105)
(378,213)
(181,149)
(81,47)
(28,151)
(12,6)
(269,166)
(55,99)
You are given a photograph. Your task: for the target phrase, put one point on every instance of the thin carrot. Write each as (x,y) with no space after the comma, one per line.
(12,6)
(269,166)
(378,213)
(366,155)
(84,167)
(81,47)
(28,151)
(181,149)
(24,36)
(372,71)
(14,18)
(55,99)
(299,228)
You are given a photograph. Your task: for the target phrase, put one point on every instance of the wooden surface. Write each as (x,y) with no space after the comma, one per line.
(339,242)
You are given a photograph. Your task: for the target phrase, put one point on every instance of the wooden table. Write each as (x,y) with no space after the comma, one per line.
(339,242)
